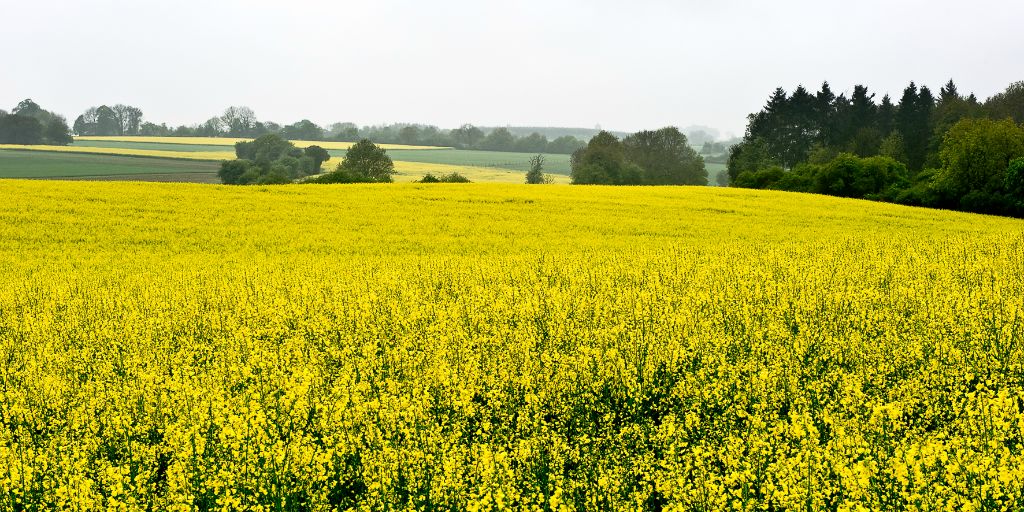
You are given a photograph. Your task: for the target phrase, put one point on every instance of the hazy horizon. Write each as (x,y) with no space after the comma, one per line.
(571,64)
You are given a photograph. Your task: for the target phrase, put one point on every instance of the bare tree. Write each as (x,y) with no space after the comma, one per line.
(129,119)
(239,121)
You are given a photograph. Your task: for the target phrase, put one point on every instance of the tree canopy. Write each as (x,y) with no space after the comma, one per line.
(30,124)
(956,150)
(662,157)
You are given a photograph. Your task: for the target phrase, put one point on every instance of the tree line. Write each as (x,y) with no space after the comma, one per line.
(948,150)
(242,122)
(28,123)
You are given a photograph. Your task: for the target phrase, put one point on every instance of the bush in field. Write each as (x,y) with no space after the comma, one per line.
(444,178)
(536,176)
(364,162)
(270,159)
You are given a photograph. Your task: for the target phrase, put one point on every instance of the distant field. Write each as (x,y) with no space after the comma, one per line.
(230,141)
(555,164)
(38,164)
(213,156)
(151,146)
(46,164)
(411,164)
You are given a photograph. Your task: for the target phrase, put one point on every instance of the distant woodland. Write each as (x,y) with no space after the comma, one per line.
(945,150)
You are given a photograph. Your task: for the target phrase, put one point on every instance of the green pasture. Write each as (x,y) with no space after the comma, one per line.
(41,164)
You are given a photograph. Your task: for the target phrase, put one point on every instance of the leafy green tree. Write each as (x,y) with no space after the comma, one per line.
(19,129)
(29,108)
(444,178)
(1015,184)
(57,132)
(535,176)
(347,132)
(409,135)
(976,153)
(603,162)
(851,176)
(266,149)
(1007,104)
(666,158)
(467,136)
(500,139)
(106,121)
(231,171)
(302,130)
(749,156)
(318,155)
(892,147)
(532,143)
(366,159)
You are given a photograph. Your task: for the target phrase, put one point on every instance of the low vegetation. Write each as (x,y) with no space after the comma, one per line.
(271,160)
(452,177)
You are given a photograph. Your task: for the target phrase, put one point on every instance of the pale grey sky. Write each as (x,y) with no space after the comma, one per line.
(625,65)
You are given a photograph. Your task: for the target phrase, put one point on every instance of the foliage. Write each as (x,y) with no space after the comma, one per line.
(453,177)
(364,162)
(535,176)
(504,347)
(603,162)
(847,175)
(30,124)
(661,157)
(955,156)
(270,160)
(975,154)
(1015,182)
(318,154)
(1007,104)
(665,157)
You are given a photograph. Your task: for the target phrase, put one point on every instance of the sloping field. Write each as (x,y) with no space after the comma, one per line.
(230,141)
(59,162)
(554,164)
(40,164)
(469,347)
(208,156)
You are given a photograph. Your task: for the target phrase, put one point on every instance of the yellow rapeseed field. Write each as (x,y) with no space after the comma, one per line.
(500,347)
(230,141)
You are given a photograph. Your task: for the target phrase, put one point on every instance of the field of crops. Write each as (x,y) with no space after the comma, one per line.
(85,158)
(230,141)
(484,347)
(35,164)
(554,164)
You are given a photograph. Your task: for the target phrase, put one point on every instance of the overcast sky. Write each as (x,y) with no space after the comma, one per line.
(625,65)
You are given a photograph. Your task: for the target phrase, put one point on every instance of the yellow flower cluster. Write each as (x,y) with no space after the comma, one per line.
(496,347)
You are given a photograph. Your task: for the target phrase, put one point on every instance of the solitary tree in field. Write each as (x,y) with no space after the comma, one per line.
(535,176)
(366,158)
